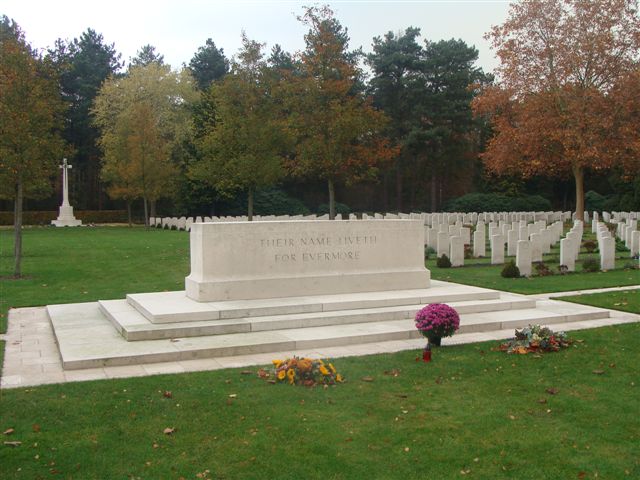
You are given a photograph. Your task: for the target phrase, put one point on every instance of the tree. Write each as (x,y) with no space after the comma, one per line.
(144,118)
(83,65)
(208,65)
(243,149)
(424,90)
(553,110)
(31,111)
(395,62)
(337,130)
(146,55)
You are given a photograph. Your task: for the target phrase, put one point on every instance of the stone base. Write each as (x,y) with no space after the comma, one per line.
(119,332)
(66,218)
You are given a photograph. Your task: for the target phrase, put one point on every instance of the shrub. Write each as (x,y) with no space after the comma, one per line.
(340,208)
(496,202)
(428,251)
(542,270)
(510,270)
(273,201)
(437,320)
(87,216)
(468,251)
(590,264)
(589,245)
(443,262)
(620,246)
(563,269)
(593,201)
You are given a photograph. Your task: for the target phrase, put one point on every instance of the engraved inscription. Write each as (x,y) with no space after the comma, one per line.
(317,248)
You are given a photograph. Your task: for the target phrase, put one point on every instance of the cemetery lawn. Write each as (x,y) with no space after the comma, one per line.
(471,411)
(625,300)
(84,264)
(481,273)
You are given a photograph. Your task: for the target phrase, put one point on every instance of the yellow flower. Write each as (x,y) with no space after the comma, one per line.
(291,374)
(333,369)
(339,378)
(323,370)
(281,374)
(276,363)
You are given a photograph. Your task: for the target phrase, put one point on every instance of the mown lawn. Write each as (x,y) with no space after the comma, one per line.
(471,412)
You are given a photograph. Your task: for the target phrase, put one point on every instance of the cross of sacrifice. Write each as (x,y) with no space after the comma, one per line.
(65,182)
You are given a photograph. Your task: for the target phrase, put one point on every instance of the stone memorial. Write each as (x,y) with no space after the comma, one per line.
(456,251)
(65,215)
(241,261)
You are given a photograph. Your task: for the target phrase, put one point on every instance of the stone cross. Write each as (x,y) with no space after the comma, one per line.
(65,182)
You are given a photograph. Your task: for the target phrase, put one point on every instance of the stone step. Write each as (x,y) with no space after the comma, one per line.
(87,339)
(174,307)
(133,326)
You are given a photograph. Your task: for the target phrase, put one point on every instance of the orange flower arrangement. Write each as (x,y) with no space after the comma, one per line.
(306,371)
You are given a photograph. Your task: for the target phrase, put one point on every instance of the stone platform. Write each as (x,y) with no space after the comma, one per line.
(168,327)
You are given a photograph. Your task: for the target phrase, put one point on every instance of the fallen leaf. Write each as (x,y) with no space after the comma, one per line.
(174,340)
(598,372)
(612,365)
(233,395)
(512,417)
(271,381)
(367,379)
(246,372)
(8,431)
(551,391)
(542,400)
(13,444)
(155,445)
(582,474)
(169,430)
(402,395)
(167,394)
(35,427)
(393,372)
(406,449)
(262,373)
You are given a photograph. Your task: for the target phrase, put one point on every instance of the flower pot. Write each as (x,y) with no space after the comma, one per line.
(435,341)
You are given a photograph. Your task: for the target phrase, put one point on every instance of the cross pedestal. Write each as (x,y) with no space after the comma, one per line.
(65,215)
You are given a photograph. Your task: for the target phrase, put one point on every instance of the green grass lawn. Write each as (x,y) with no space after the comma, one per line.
(625,300)
(471,412)
(480,272)
(66,265)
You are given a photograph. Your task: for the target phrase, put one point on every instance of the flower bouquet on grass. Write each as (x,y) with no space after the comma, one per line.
(306,371)
(437,320)
(535,338)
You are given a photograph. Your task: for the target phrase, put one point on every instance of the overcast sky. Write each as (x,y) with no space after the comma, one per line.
(178,28)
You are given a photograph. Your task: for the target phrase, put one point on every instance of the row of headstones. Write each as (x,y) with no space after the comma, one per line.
(182,223)
(628,233)
(528,242)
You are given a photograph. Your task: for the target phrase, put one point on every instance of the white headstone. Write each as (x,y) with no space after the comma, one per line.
(479,244)
(567,258)
(607,253)
(443,244)
(497,249)
(456,251)
(523,258)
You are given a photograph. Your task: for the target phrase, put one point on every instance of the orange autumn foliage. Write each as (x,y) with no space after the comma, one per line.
(566,101)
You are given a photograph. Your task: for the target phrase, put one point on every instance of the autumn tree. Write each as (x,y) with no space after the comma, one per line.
(243,149)
(31,113)
(337,130)
(556,108)
(144,119)
(82,65)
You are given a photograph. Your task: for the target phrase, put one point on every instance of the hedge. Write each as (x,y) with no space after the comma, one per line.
(495,202)
(87,216)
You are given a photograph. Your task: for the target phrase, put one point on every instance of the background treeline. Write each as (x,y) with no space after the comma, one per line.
(280,132)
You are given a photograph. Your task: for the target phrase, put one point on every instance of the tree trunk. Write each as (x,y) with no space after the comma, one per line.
(385,192)
(399,188)
(434,192)
(578,175)
(332,199)
(129,213)
(152,208)
(17,230)
(250,205)
(146,213)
